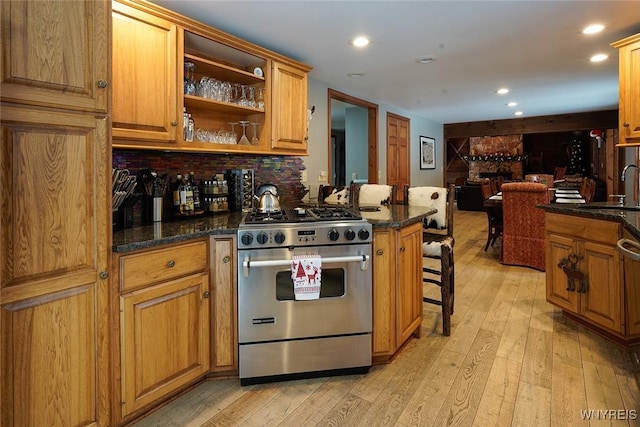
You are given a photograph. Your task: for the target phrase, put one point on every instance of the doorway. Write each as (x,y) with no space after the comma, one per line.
(342,166)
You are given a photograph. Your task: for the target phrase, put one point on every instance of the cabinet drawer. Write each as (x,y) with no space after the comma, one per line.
(594,230)
(161,264)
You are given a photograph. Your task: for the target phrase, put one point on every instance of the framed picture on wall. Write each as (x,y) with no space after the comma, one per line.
(427,153)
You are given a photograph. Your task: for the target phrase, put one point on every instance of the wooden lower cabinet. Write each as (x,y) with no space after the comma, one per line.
(164,339)
(397,288)
(162,330)
(224,303)
(592,288)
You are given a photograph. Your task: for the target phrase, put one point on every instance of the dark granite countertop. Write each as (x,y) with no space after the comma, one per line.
(630,219)
(146,236)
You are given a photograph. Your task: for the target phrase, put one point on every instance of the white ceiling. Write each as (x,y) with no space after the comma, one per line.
(533,47)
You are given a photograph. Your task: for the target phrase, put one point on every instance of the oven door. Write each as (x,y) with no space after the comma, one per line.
(268,311)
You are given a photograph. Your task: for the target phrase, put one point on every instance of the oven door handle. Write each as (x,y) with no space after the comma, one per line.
(247,263)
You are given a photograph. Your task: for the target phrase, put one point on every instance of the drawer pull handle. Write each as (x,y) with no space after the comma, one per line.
(104,274)
(171,263)
(379,252)
(625,124)
(206,294)
(402,249)
(102,84)
(226,259)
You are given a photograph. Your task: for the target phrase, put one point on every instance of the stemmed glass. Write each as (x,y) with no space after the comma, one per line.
(255,140)
(244,140)
(234,135)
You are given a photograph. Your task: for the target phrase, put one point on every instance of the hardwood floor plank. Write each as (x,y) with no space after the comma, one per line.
(533,406)
(568,395)
(537,364)
(463,399)
(432,391)
(316,406)
(601,387)
(348,411)
(499,397)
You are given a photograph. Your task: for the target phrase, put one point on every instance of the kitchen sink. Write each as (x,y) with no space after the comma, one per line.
(610,206)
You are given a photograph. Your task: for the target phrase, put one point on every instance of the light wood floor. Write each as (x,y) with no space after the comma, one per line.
(511,360)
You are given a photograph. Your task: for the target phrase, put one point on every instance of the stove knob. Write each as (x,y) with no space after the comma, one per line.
(263,238)
(246,239)
(334,235)
(363,234)
(350,234)
(279,237)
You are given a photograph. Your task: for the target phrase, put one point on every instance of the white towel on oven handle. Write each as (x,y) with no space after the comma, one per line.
(306,272)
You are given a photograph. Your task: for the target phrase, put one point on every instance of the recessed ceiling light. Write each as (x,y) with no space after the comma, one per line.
(502,91)
(512,104)
(355,75)
(593,29)
(426,59)
(360,41)
(599,57)
(518,113)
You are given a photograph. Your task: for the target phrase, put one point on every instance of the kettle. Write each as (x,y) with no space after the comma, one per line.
(268,202)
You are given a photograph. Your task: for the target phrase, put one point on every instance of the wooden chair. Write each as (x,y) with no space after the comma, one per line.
(559,172)
(437,243)
(523,224)
(372,194)
(487,191)
(588,189)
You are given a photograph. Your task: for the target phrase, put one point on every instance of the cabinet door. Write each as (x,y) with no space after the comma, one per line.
(384,296)
(53,53)
(144,76)
(53,246)
(224,338)
(289,107)
(409,282)
(558,248)
(629,112)
(602,301)
(164,339)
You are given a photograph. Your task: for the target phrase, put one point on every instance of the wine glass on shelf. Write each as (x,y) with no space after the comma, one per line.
(234,135)
(255,140)
(243,139)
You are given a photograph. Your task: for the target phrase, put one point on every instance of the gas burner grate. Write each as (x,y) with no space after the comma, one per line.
(329,213)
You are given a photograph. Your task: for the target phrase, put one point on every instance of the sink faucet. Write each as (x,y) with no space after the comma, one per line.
(624,173)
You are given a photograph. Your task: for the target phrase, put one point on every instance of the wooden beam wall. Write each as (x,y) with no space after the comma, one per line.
(540,124)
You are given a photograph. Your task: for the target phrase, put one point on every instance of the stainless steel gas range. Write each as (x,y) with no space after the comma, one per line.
(282,337)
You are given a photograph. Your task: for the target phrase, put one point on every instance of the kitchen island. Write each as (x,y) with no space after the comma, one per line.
(176,281)
(587,275)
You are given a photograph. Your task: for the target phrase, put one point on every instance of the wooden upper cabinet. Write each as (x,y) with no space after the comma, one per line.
(289,107)
(629,108)
(145,76)
(53,65)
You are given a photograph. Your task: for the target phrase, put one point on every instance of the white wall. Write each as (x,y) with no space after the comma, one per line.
(318,144)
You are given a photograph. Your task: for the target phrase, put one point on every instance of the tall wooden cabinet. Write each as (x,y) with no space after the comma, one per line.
(54,233)
(629,81)
(397,288)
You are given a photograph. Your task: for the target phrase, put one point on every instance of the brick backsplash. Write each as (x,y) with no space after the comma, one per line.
(282,171)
